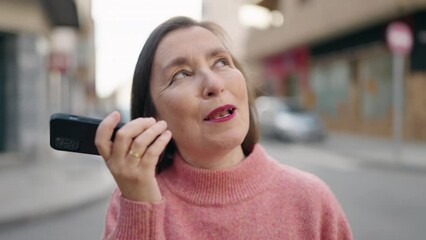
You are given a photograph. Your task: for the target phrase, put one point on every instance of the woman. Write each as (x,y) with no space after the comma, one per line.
(211,179)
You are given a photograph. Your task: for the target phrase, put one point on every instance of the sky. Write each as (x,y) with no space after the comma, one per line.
(122,27)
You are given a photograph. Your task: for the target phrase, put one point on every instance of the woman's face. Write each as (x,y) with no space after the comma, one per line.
(199,92)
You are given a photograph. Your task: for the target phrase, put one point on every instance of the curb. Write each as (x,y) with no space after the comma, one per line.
(377,162)
(55,207)
(40,190)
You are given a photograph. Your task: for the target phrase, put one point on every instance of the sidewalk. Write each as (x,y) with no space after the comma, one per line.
(371,150)
(32,189)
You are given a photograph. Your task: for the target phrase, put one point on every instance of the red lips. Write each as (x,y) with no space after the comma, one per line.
(221,114)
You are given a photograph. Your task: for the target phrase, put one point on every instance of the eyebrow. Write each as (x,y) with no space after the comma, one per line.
(217,51)
(179,61)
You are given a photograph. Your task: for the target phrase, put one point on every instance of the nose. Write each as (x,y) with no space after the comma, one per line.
(213,84)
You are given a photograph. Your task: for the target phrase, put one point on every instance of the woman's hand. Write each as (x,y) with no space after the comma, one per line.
(133,155)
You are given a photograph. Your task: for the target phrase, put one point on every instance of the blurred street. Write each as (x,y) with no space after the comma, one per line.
(359,80)
(85,223)
(56,198)
(381,200)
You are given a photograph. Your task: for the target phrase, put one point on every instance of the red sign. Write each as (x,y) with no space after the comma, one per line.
(399,38)
(58,62)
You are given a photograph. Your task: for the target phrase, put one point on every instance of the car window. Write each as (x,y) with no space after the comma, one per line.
(292,107)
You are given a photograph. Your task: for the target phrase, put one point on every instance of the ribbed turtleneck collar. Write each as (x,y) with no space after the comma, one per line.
(219,187)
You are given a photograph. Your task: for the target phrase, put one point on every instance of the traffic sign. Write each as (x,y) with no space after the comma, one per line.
(399,38)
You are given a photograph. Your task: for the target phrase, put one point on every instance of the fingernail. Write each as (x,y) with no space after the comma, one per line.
(163,123)
(112,115)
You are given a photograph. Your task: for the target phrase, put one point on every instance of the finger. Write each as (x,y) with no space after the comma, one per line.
(104,133)
(152,154)
(126,134)
(141,142)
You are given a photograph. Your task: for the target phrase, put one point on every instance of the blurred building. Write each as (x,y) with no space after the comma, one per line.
(225,13)
(332,55)
(46,65)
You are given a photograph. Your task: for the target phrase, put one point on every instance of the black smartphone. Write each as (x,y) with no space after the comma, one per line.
(74,133)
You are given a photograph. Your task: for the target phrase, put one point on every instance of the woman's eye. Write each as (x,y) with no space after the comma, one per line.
(180,75)
(222,62)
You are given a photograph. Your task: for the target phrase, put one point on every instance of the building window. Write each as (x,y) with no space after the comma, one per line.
(376,86)
(330,83)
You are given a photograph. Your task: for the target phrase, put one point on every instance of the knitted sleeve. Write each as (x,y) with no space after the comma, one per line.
(126,219)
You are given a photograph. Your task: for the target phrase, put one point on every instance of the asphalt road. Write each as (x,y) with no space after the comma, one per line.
(380,203)
(83,223)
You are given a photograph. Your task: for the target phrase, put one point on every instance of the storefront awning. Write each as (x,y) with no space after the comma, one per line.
(61,12)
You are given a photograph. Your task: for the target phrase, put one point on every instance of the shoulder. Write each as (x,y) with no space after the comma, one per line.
(307,193)
(301,184)
(286,176)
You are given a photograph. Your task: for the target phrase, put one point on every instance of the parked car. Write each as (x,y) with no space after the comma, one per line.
(287,120)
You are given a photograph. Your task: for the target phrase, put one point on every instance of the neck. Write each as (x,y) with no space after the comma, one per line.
(214,159)
(221,186)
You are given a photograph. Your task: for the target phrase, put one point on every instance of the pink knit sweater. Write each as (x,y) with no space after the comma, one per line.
(257,199)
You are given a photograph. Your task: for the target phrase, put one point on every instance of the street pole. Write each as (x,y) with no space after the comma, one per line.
(399,38)
(398,103)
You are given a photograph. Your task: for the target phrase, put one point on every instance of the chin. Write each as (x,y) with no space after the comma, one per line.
(228,142)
